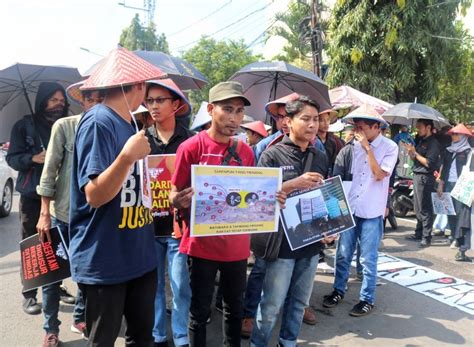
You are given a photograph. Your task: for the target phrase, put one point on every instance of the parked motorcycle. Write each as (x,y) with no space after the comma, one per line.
(401,199)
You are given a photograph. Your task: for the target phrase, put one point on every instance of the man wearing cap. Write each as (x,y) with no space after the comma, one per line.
(112,252)
(374,157)
(165,102)
(426,160)
(54,186)
(228,253)
(255,132)
(26,154)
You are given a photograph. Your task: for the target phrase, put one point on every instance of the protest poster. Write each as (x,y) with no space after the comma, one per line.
(311,213)
(43,263)
(443,204)
(230,200)
(161,169)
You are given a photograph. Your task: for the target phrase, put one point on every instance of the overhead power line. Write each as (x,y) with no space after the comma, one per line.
(256,40)
(200,20)
(228,25)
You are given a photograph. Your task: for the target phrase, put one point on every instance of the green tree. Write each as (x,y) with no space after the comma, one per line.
(217,60)
(135,36)
(394,50)
(294,25)
(455,99)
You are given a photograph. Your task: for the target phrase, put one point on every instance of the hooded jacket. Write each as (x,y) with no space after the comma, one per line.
(30,136)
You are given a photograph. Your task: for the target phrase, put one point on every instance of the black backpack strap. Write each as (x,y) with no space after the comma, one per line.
(232,152)
(309,161)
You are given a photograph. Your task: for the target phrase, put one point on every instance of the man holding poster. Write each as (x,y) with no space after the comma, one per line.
(112,250)
(165,101)
(290,273)
(228,253)
(373,159)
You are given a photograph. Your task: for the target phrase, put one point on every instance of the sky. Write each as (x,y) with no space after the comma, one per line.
(52,32)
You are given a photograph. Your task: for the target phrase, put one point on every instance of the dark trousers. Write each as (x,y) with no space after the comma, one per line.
(106,304)
(29,214)
(232,280)
(423,186)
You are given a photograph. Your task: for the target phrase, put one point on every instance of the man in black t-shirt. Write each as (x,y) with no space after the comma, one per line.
(426,158)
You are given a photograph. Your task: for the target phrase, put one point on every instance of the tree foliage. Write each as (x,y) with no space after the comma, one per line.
(294,25)
(136,36)
(455,99)
(217,60)
(394,50)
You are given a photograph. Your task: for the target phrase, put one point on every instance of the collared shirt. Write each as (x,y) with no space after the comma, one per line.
(56,176)
(159,147)
(368,197)
(429,148)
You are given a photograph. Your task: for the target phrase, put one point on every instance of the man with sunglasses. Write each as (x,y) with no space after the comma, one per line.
(54,187)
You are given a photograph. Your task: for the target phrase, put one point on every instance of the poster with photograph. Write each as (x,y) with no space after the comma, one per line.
(231,200)
(161,169)
(443,204)
(43,263)
(309,214)
(145,182)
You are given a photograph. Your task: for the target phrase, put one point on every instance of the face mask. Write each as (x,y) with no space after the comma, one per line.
(54,114)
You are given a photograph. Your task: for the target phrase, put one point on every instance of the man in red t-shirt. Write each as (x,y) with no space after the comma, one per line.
(229,253)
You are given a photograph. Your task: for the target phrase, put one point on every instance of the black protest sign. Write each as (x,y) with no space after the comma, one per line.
(43,263)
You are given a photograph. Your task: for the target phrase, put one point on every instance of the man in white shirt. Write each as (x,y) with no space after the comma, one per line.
(374,157)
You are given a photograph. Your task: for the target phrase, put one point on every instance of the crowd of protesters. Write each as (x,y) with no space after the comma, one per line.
(81,173)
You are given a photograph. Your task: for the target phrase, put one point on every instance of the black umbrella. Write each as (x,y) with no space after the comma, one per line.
(266,81)
(184,74)
(18,87)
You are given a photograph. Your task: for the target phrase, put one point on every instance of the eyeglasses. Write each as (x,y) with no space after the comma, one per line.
(279,117)
(159,101)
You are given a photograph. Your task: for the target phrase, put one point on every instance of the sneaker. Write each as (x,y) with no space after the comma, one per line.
(31,306)
(325,268)
(333,299)
(78,328)
(454,244)
(363,308)
(66,297)
(51,340)
(461,256)
(425,243)
(247,327)
(309,317)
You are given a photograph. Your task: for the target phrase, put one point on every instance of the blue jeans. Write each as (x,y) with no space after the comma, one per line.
(290,279)
(253,293)
(369,233)
(51,294)
(167,247)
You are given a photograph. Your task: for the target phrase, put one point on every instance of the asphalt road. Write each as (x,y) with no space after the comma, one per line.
(402,317)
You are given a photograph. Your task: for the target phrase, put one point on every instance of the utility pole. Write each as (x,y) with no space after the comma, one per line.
(148,7)
(316,49)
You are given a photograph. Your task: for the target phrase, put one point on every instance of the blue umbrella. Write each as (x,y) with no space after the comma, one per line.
(269,80)
(184,74)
